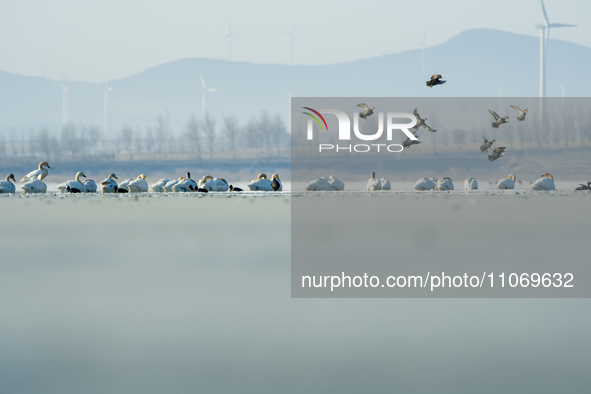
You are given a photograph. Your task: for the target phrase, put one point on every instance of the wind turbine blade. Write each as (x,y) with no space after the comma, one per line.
(293,30)
(202,81)
(560,25)
(544,10)
(212,90)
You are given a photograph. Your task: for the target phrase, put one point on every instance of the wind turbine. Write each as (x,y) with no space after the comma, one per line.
(544,34)
(423,45)
(65,89)
(203,91)
(64,104)
(229,35)
(44,67)
(292,39)
(106,101)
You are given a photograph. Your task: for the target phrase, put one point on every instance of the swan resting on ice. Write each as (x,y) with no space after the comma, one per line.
(445,183)
(36,186)
(470,184)
(260,184)
(320,184)
(138,185)
(75,184)
(109,185)
(90,186)
(546,182)
(7,186)
(424,184)
(506,183)
(373,184)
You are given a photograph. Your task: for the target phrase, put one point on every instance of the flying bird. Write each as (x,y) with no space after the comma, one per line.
(408,143)
(522,114)
(486,145)
(421,122)
(496,153)
(435,80)
(498,120)
(367,112)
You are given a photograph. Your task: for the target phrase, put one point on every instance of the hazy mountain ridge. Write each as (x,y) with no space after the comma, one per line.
(477,63)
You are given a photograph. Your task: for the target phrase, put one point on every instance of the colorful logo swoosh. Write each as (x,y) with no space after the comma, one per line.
(315,118)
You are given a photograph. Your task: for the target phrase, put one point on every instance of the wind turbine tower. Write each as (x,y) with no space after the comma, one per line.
(292,40)
(423,45)
(204,90)
(106,101)
(229,35)
(544,34)
(64,104)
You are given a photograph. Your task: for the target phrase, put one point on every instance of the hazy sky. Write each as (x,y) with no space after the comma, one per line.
(90,40)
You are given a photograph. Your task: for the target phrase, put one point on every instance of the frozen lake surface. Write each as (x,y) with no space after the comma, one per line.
(192,294)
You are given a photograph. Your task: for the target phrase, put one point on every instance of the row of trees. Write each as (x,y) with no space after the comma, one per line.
(263,135)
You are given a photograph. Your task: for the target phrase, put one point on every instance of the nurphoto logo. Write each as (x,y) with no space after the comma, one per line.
(344,133)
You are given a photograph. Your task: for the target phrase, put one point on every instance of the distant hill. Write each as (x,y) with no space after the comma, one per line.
(477,63)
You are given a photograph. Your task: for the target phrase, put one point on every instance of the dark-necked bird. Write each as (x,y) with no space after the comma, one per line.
(584,187)
(275,185)
(435,80)
(235,189)
(421,122)
(367,112)
(486,145)
(496,153)
(202,190)
(72,189)
(522,114)
(498,120)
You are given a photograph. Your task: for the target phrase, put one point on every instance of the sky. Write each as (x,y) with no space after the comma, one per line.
(109,39)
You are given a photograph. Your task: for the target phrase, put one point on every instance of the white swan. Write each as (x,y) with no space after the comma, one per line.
(470,184)
(261,184)
(335,184)
(546,182)
(36,186)
(506,183)
(75,184)
(208,184)
(276,177)
(7,186)
(222,184)
(168,185)
(158,187)
(109,185)
(373,183)
(385,184)
(34,175)
(124,185)
(184,186)
(320,184)
(138,185)
(445,183)
(424,184)
(90,186)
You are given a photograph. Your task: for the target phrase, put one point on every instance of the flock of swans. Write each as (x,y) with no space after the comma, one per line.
(33,183)
(544,183)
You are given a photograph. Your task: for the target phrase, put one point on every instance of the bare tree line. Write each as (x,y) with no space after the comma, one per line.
(263,136)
